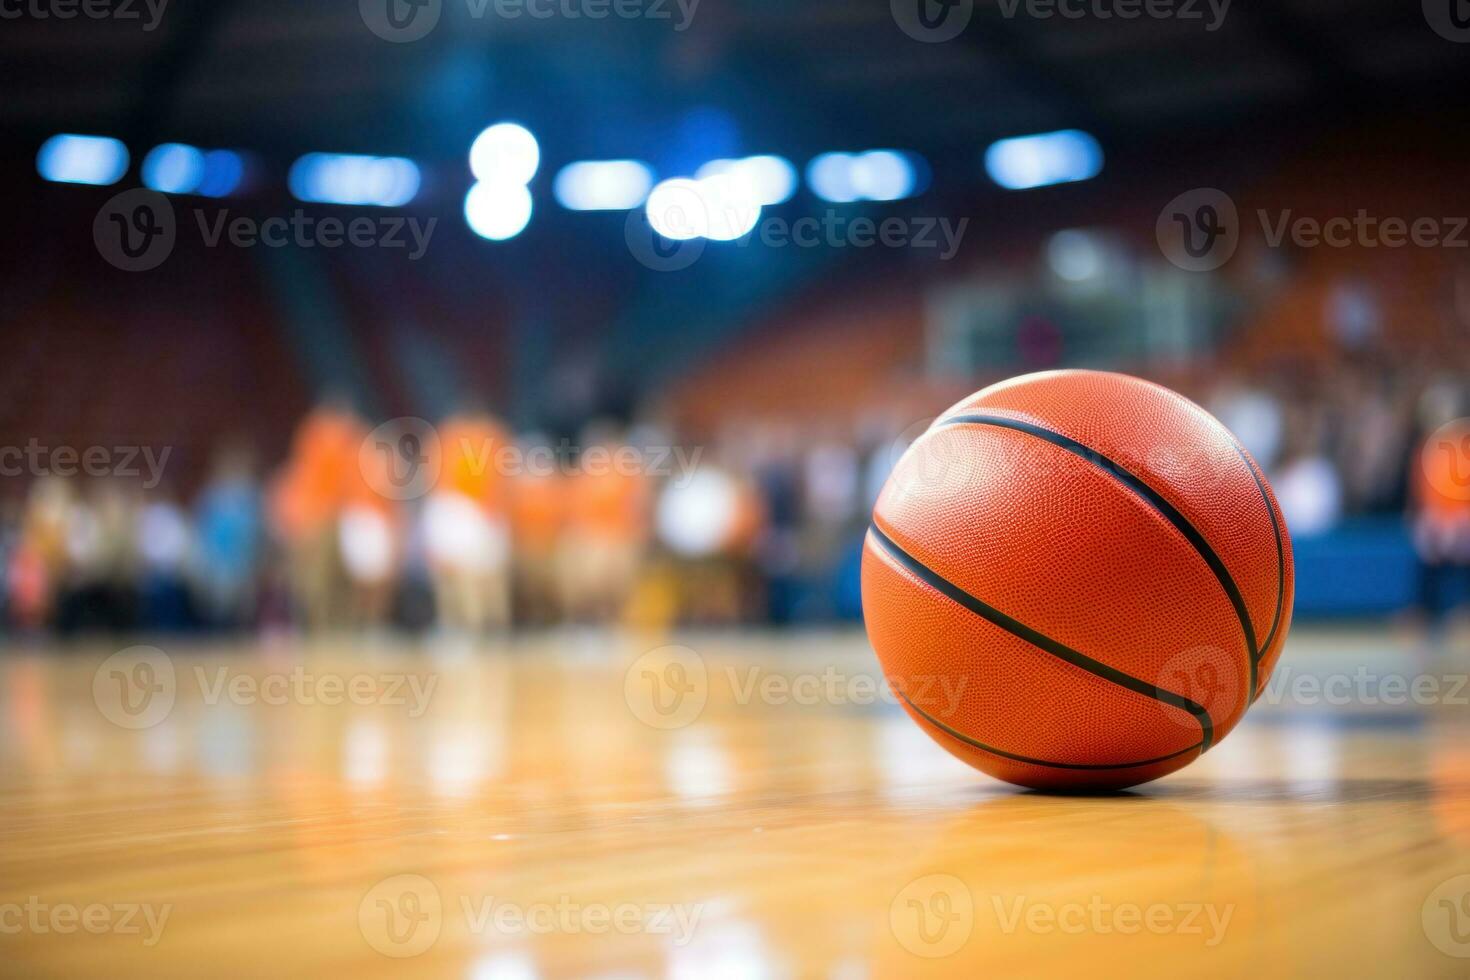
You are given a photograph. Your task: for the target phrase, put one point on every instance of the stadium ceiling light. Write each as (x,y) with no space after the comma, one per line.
(717,208)
(1062,157)
(177,168)
(505,152)
(768,179)
(343,178)
(68,158)
(603,185)
(874,175)
(173,168)
(497,210)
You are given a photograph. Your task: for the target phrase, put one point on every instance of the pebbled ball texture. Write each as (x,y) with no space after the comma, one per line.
(1077,580)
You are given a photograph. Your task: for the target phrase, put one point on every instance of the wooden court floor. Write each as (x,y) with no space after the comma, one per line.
(700,806)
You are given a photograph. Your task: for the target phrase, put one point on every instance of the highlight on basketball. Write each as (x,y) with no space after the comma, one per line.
(525,489)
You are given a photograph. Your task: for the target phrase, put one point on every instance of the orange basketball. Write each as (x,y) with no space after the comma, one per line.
(1077,580)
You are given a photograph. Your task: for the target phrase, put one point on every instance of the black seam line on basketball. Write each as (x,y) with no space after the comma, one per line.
(1054,647)
(1280,553)
(1169,512)
(1037,762)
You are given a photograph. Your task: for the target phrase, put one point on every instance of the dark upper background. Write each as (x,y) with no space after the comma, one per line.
(1316,106)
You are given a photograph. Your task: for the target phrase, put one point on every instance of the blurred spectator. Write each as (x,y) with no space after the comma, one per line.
(228,531)
(164,543)
(307,504)
(467,525)
(1308,487)
(766,528)
(606,529)
(1440,511)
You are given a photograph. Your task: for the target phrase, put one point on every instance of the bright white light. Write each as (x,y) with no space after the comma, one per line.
(731,205)
(698,517)
(676,210)
(72,159)
(506,152)
(718,208)
(343,178)
(769,179)
(830,178)
(173,168)
(882,175)
(603,185)
(1062,157)
(497,210)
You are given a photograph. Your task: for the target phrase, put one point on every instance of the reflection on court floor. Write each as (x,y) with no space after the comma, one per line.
(699,806)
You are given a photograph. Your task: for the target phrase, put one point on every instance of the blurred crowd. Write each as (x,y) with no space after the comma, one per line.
(470,527)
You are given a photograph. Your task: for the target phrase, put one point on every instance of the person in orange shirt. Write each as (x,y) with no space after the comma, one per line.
(1440,514)
(308,501)
(467,524)
(607,527)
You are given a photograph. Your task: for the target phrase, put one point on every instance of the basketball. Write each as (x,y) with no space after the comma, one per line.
(1077,580)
